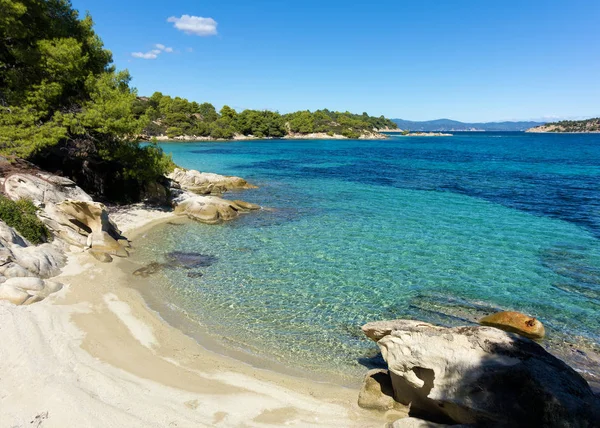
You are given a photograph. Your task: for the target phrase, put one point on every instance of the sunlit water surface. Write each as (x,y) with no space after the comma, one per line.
(438,229)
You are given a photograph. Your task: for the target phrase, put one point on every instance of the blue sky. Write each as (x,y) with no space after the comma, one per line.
(422,59)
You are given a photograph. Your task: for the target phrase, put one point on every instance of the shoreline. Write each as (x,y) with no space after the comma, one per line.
(99,344)
(375,135)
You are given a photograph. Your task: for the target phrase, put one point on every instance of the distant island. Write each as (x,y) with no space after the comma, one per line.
(578,126)
(447,125)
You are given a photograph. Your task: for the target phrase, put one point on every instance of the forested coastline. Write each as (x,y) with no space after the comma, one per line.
(66,108)
(175,117)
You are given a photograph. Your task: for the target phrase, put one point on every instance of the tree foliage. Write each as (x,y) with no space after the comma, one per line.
(175,117)
(58,88)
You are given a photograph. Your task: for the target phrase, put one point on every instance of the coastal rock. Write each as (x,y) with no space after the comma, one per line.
(69,213)
(19,259)
(420,423)
(209,209)
(482,375)
(205,183)
(376,392)
(87,225)
(43,188)
(515,322)
(24,291)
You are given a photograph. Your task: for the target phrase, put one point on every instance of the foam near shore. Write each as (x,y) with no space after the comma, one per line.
(95,355)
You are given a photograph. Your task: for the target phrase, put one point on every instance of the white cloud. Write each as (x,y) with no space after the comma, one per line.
(147,55)
(154,53)
(189,49)
(195,25)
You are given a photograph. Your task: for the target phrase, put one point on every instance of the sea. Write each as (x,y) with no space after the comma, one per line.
(440,229)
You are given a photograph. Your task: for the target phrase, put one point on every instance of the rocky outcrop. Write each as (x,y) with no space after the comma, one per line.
(212,209)
(515,322)
(206,183)
(86,225)
(23,267)
(70,213)
(43,188)
(482,376)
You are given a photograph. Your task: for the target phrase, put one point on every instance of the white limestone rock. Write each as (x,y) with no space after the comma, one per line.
(211,209)
(43,188)
(483,376)
(205,183)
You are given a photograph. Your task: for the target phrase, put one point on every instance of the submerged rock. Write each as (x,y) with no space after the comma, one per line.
(515,322)
(205,183)
(190,260)
(481,375)
(150,269)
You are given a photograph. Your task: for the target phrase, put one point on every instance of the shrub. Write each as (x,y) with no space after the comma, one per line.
(21,216)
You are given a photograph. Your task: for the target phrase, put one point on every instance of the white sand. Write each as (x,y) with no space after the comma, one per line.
(94,355)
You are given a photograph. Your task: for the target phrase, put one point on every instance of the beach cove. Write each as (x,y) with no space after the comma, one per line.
(245,357)
(98,344)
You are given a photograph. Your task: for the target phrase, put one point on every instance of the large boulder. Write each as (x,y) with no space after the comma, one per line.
(86,225)
(19,259)
(515,322)
(42,188)
(23,267)
(483,376)
(212,209)
(205,183)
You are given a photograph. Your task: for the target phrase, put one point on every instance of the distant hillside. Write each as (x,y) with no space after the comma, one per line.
(454,125)
(588,125)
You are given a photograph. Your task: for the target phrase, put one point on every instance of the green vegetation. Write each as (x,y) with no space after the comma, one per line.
(59,91)
(588,125)
(21,216)
(177,116)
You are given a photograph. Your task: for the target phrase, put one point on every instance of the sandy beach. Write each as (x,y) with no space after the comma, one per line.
(95,355)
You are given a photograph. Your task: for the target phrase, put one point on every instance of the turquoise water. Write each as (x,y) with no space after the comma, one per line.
(439,229)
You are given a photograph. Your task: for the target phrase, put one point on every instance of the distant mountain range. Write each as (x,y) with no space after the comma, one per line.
(454,125)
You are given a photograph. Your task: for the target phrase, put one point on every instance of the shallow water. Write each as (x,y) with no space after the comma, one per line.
(439,229)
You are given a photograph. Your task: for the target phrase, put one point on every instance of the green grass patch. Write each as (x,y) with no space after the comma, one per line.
(20,215)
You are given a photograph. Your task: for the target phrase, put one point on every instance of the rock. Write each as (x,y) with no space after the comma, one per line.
(101,256)
(28,284)
(246,205)
(378,329)
(205,183)
(419,423)
(515,322)
(86,225)
(13,295)
(43,188)
(484,376)
(376,392)
(25,291)
(43,260)
(19,259)
(190,260)
(209,209)
(149,269)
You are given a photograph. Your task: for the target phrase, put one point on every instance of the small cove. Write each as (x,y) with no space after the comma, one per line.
(442,230)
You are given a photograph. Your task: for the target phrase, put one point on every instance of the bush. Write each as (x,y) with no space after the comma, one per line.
(21,216)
